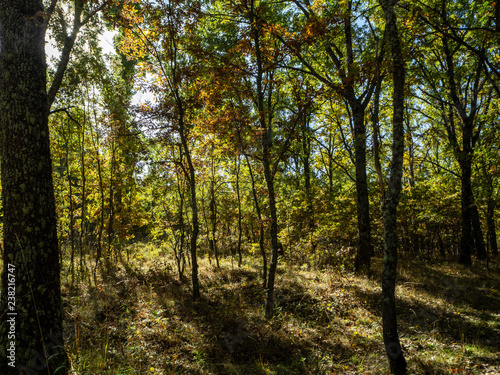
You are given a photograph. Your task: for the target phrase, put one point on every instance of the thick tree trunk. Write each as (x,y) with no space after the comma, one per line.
(466,241)
(365,250)
(31,333)
(477,232)
(397,362)
(472,235)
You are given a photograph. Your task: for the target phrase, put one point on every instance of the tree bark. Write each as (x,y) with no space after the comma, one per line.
(261,224)
(194,207)
(472,235)
(101,214)
(365,250)
(213,215)
(490,222)
(266,145)
(411,151)
(306,156)
(84,198)
(238,196)
(71,209)
(179,254)
(466,241)
(31,334)
(397,362)
(376,141)
(358,107)
(111,198)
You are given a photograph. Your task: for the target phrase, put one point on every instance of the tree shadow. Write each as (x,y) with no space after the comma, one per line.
(462,309)
(313,330)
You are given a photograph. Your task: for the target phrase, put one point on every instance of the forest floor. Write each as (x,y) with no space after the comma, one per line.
(139,319)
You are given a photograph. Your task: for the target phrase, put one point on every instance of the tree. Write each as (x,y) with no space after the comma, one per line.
(32,339)
(457,83)
(30,225)
(319,52)
(397,362)
(161,42)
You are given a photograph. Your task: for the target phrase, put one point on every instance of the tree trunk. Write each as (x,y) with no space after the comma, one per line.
(478,233)
(376,141)
(466,241)
(31,335)
(111,207)
(411,151)
(490,222)
(261,224)
(365,250)
(358,107)
(274,224)
(397,362)
(213,219)
(472,236)
(179,255)
(264,95)
(101,214)
(71,210)
(69,42)
(84,199)
(194,209)
(306,156)
(240,230)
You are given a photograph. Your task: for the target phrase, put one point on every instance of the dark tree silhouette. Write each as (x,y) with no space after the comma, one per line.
(31,339)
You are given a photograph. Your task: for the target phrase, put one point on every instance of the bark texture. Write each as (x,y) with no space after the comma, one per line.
(397,362)
(365,250)
(31,254)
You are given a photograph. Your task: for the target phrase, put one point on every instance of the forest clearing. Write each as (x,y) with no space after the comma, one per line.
(140,319)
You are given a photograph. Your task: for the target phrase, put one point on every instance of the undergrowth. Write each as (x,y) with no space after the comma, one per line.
(138,318)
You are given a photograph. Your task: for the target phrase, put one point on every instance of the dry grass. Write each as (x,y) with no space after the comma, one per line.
(140,319)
